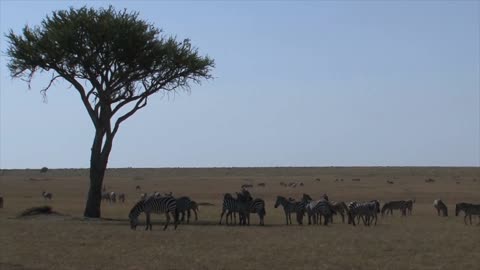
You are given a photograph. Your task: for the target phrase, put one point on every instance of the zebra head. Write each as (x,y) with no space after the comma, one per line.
(133,223)
(278,202)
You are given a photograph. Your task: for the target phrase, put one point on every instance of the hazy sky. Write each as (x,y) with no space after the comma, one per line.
(327,83)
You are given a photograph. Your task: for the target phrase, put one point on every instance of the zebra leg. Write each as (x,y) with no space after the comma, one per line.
(196,216)
(175,219)
(221,216)
(286,217)
(465,219)
(188,216)
(167,222)
(343,218)
(147,221)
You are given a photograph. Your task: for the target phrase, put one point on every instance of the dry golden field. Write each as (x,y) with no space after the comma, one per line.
(420,241)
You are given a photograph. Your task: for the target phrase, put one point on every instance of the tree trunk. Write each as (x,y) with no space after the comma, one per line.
(98,166)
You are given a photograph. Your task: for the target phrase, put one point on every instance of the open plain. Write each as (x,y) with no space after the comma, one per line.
(420,241)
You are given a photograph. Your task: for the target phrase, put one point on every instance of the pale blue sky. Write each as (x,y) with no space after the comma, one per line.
(327,83)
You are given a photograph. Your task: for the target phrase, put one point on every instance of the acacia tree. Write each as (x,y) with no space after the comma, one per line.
(114,60)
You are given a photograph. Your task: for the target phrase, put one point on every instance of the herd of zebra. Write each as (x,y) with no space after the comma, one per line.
(244,205)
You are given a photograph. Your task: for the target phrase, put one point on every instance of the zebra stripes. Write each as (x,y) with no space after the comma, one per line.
(232,206)
(317,209)
(469,210)
(163,205)
(365,210)
(257,206)
(441,208)
(290,207)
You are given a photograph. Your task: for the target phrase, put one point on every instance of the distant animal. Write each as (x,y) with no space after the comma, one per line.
(163,205)
(390,182)
(106,196)
(395,205)
(121,197)
(138,188)
(247,186)
(261,184)
(113,197)
(410,206)
(317,179)
(336,180)
(1,202)
(429,180)
(301,184)
(47,195)
(356,179)
(469,210)
(441,208)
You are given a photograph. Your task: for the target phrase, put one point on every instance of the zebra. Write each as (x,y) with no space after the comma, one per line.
(138,187)
(166,205)
(341,208)
(47,195)
(441,207)
(257,206)
(469,209)
(121,197)
(106,196)
(185,204)
(410,206)
(113,197)
(291,206)
(319,208)
(366,210)
(232,206)
(390,206)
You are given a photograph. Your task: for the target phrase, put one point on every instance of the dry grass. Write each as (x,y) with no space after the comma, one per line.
(421,241)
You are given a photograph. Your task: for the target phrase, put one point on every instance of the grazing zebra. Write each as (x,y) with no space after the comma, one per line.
(47,195)
(317,209)
(410,206)
(366,210)
(121,197)
(232,206)
(185,204)
(441,207)
(166,205)
(390,206)
(291,206)
(469,209)
(341,208)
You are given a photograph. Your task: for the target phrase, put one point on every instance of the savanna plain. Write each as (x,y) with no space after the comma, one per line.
(69,241)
